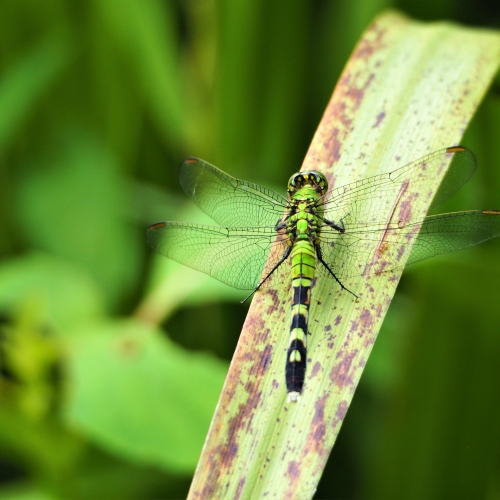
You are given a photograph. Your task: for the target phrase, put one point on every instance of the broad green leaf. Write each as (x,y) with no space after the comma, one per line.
(65,293)
(139,395)
(408,89)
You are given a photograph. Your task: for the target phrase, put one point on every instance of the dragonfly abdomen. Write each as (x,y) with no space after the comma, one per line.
(303,267)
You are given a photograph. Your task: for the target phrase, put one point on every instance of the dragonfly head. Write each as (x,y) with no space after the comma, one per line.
(311,178)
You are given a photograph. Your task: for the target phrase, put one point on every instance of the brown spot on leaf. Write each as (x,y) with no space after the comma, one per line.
(129,348)
(254,322)
(340,413)
(340,374)
(293,470)
(380,117)
(405,211)
(372,42)
(316,368)
(318,427)
(275,300)
(357,94)
(264,357)
(317,431)
(366,319)
(240,488)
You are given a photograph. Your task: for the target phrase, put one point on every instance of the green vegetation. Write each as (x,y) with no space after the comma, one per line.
(112,359)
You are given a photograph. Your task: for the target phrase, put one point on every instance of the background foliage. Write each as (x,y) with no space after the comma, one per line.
(111,358)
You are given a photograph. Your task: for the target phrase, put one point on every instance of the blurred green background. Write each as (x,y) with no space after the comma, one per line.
(112,358)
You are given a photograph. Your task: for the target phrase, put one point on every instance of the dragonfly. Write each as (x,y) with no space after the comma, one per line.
(359,229)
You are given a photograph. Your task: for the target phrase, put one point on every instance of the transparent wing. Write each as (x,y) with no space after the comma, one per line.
(229,201)
(367,249)
(374,199)
(235,256)
(454,231)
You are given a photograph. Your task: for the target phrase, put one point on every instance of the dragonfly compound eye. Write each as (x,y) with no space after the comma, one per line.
(318,181)
(295,183)
(311,178)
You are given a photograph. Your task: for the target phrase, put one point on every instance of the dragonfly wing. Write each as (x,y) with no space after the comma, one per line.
(376,199)
(229,201)
(235,256)
(454,231)
(370,249)
(461,169)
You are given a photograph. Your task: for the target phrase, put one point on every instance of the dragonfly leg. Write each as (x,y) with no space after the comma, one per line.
(340,228)
(341,224)
(285,256)
(320,258)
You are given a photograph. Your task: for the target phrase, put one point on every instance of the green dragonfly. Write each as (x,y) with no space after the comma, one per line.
(359,229)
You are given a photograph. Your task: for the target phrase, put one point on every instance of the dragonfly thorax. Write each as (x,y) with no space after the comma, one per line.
(312,179)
